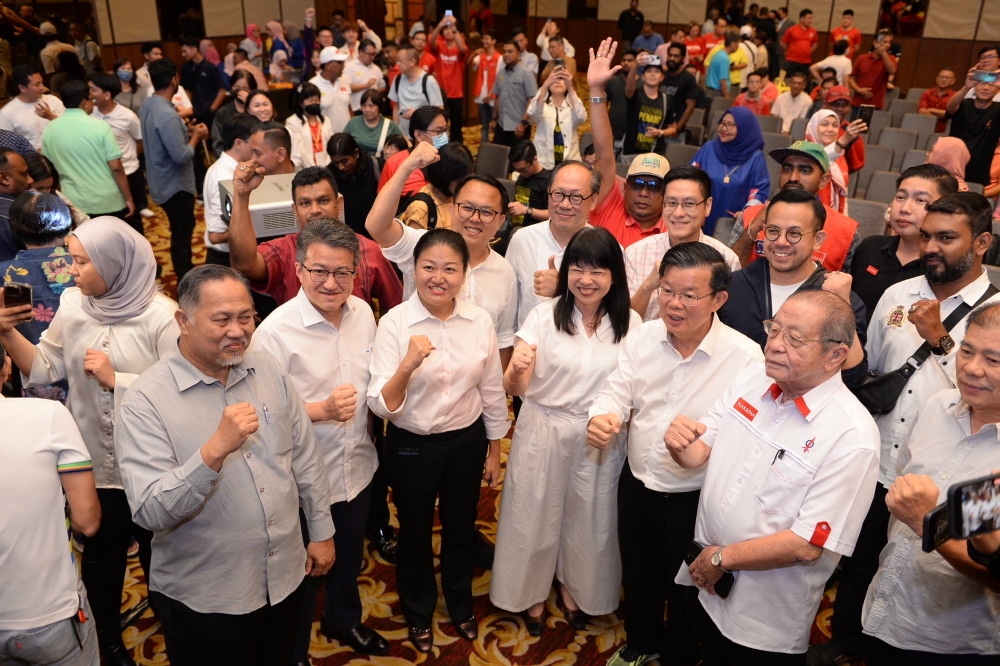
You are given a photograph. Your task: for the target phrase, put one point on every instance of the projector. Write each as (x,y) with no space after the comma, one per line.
(270,206)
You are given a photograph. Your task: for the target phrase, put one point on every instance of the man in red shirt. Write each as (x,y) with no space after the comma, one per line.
(934,102)
(713,38)
(752,97)
(389,51)
(449,46)
(425,59)
(800,41)
(870,76)
(846,32)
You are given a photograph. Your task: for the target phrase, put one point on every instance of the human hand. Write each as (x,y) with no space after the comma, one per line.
(199,131)
(653,132)
(342,403)
(600,70)
(516,208)
(704,574)
(838,283)
(865,92)
(547,280)
(42,110)
(407,113)
(97,365)
(682,433)
(129,208)
(643,59)
(11,317)
(420,347)
(238,422)
(519,130)
(522,359)
(926,316)
(422,155)
(855,129)
(320,556)
(910,498)
(601,428)
(491,471)
(247,178)
(652,280)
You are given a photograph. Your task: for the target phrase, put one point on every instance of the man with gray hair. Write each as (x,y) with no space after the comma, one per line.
(322,339)
(792,461)
(223,500)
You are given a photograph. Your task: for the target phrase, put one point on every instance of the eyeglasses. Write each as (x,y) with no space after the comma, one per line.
(727,126)
(689,300)
(789,339)
(467,211)
(435,132)
(575,198)
(793,236)
(654,185)
(686,206)
(319,276)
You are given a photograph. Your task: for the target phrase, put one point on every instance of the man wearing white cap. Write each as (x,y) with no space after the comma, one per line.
(334,88)
(53,47)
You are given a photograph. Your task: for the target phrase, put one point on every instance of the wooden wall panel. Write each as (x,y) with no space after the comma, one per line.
(953,19)
(683,12)
(608,10)
(821,12)
(134,20)
(546,8)
(223,17)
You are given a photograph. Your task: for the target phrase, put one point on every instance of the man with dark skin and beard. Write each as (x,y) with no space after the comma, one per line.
(954,236)
(680,85)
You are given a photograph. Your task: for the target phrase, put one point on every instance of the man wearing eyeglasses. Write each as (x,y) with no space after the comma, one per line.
(322,340)
(792,460)
(989,61)
(677,363)
(363,73)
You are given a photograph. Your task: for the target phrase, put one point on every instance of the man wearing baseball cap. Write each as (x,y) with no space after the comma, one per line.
(53,47)
(838,99)
(334,87)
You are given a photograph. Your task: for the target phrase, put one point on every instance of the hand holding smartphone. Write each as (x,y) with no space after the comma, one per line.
(865,113)
(981,76)
(724,585)
(16,293)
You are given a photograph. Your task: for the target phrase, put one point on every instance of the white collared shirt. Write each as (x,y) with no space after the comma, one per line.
(809,466)
(491,285)
(917,600)
(334,100)
(461,379)
(654,380)
(318,358)
(643,255)
(125,124)
(892,339)
(358,73)
(569,369)
(222,170)
(529,251)
(302,142)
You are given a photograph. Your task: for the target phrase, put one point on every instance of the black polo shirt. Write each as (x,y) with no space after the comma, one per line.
(875,268)
(203,81)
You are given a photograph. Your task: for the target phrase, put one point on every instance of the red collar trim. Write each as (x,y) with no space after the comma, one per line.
(800,403)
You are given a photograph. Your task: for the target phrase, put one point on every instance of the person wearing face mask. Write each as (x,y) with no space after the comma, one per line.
(113,325)
(371,129)
(309,128)
(133,91)
(241,85)
(426,125)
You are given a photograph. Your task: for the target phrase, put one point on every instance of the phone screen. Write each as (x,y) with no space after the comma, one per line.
(865,113)
(935,528)
(448,12)
(974,507)
(984,77)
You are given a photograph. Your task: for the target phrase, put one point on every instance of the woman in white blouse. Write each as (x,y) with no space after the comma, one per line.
(436,377)
(309,128)
(557,112)
(113,325)
(558,511)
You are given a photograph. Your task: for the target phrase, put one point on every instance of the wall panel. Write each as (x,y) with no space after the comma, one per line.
(260,12)
(134,20)
(223,17)
(821,12)
(952,19)
(683,12)
(989,25)
(608,10)
(865,14)
(545,8)
(105,35)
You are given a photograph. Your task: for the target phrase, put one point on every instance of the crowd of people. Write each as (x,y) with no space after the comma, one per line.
(244,438)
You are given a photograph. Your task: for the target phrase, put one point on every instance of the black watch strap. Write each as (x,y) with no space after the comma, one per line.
(988,561)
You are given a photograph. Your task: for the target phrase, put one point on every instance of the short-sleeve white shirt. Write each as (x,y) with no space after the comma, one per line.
(491,285)
(358,73)
(334,100)
(318,358)
(809,466)
(840,63)
(20,117)
(222,170)
(127,128)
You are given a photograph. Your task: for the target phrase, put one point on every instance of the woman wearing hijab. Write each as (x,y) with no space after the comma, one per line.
(824,129)
(953,155)
(276,39)
(112,326)
(734,161)
(297,54)
(253,44)
(207,48)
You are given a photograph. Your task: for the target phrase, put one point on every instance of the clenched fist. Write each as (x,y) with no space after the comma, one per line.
(838,283)
(422,155)
(682,433)
(522,359)
(239,421)
(420,348)
(342,404)
(601,429)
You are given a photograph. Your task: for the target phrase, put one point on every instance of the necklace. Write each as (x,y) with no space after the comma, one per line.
(592,325)
(729,172)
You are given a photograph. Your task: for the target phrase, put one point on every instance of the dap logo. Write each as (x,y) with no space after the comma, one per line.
(809,444)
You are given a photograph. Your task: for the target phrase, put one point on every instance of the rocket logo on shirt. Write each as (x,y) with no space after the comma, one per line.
(895,317)
(746,409)
(809,444)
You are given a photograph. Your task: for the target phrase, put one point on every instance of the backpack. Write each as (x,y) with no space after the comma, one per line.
(423,86)
(427,200)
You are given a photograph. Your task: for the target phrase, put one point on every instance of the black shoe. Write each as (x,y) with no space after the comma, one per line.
(534,625)
(469,630)
(483,552)
(830,653)
(362,638)
(385,542)
(422,639)
(117,655)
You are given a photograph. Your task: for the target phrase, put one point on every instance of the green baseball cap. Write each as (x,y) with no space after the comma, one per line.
(807,149)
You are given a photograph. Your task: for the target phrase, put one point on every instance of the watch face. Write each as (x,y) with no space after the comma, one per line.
(946,344)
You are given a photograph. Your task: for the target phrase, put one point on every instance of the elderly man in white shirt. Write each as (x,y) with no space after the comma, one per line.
(322,339)
(334,87)
(687,201)
(792,463)
(362,73)
(679,363)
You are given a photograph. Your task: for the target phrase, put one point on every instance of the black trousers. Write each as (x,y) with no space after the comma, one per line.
(105,556)
(263,637)
(503,137)
(717,650)
(341,601)
(456,113)
(180,211)
(654,531)
(793,67)
(137,186)
(880,653)
(213,256)
(448,467)
(857,572)
(378,511)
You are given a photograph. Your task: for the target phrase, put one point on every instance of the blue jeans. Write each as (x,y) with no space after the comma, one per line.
(485,116)
(64,643)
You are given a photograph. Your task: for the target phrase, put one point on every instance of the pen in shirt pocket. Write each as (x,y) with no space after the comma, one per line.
(780,455)
(267,418)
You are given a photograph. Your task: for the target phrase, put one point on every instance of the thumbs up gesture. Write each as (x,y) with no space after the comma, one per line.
(547,279)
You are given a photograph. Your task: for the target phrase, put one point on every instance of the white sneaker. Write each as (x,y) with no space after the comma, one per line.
(145,212)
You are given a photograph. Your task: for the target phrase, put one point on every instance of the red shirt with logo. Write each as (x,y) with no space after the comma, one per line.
(852,35)
(450,68)
(696,50)
(798,43)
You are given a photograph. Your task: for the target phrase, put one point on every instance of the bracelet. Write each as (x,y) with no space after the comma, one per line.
(598,100)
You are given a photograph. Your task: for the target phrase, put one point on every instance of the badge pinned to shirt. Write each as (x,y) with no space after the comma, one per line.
(808,446)
(820,534)
(746,409)
(871,269)
(895,317)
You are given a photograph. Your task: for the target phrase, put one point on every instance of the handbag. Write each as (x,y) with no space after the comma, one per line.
(879,392)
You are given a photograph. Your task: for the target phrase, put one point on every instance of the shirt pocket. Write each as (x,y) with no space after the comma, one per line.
(783,488)
(276,426)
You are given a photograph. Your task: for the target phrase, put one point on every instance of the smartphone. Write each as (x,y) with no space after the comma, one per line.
(448,12)
(558,62)
(984,77)
(724,585)
(935,528)
(16,293)
(974,507)
(865,113)
(654,60)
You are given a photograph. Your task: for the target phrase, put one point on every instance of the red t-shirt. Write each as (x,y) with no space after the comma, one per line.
(427,62)
(932,100)
(798,43)
(696,51)
(759,106)
(611,215)
(413,183)
(852,35)
(870,72)
(450,68)
(710,41)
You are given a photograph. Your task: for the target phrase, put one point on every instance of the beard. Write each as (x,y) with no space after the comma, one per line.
(947,272)
(235,359)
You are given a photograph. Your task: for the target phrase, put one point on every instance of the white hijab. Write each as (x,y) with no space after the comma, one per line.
(838,179)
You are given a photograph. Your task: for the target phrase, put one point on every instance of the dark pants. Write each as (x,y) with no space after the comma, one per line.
(341,602)
(503,137)
(654,531)
(263,637)
(880,653)
(793,67)
(215,257)
(137,186)
(456,113)
(378,511)
(423,468)
(857,572)
(717,650)
(180,211)
(105,556)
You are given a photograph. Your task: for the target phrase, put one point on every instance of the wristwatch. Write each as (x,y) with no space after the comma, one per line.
(598,100)
(526,123)
(717,560)
(944,346)
(528,211)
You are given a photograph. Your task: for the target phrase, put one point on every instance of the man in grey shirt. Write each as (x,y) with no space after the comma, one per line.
(169,151)
(513,87)
(412,89)
(217,453)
